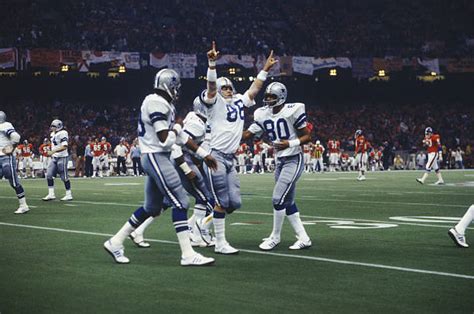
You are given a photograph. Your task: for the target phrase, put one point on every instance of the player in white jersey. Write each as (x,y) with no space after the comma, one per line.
(285,126)
(157,133)
(226,119)
(59,161)
(9,138)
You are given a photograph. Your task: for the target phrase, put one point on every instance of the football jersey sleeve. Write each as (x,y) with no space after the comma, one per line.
(298,116)
(246,100)
(205,100)
(158,114)
(256,127)
(194,129)
(63,138)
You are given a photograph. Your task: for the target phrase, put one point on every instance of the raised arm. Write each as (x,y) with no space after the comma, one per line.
(212,73)
(261,77)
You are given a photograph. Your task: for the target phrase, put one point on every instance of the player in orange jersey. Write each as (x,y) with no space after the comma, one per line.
(334,147)
(97,152)
(241,158)
(25,151)
(362,146)
(44,149)
(257,164)
(432,142)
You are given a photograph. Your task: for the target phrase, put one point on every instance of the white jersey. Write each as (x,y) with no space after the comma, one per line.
(6,129)
(226,119)
(194,127)
(156,114)
(280,126)
(59,139)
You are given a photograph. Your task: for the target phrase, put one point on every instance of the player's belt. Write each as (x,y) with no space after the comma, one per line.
(288,157)
(225,155)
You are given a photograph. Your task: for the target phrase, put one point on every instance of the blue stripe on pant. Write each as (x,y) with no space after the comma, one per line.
(287,172)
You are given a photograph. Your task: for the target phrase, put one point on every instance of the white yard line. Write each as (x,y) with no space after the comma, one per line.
(312,258)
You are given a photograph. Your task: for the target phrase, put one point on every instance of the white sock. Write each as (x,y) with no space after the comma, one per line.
(68,193)
(297,225)
(51,191)
(465,220)
(423,178)
(185,244)
(141,229)
(219,230)
(22,202)
(207,222)
(192,221)
(278,219)
(440,178)
(122,234)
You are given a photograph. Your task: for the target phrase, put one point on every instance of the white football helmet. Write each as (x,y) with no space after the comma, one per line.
(168,80)
(57,125)
(3,117)
(199,108)
(275,89)
(357,133)
(224,81)
(318,142)
(428,130)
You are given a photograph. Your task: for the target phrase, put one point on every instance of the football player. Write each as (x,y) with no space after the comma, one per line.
(189,167)
(457,232)
(9,138)
(334,147)
(285,125)
(432,142)
(241,158)
(104,159)
(257,164)
(44,149)
(97,152)
(226,119)
(362,147)
(59,160)
(25,150)
(157,133)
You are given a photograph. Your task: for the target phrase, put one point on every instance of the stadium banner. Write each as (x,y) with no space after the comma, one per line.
(286,65)
(131,60)
(245,61)
(45,58)
(303,65)
(464,65)
(182,63)
(431,65)
(362,68)
(322,63)
(7,58)
(389,64)
(70,57)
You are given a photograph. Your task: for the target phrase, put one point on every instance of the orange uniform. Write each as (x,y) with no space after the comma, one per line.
(334,146)
(433,143)
(106,147)
(44,149)
(361,145)
(96,149)
(25,150)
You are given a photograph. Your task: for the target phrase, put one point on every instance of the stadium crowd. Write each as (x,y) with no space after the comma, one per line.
(345,28)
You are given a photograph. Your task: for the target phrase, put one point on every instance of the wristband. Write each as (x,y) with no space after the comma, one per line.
(184,166)
(201,152)
(212,63)
(262,75)
(294,143)
(211,75)
(178,128)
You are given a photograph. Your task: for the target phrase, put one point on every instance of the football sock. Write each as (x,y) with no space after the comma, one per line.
(192,221)
(137,218)
(141,229)
(50,183)
(278,219)
(185,244)
(219,227)
(51,191)
(425,175)
(297,225)
(465,220)
(67,185)
(20,192)
(22,202)
(199,211)
(438,174)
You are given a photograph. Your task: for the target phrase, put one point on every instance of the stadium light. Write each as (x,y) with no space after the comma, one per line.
(232,71)
(434,73)
(122,69)
(251,78)
(64,68)
(381,73)
(333,72)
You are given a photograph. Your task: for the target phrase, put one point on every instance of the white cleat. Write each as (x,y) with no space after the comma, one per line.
(269,244)
(22,210)
(458,238)
(439,182)
(116,252)
(67,198)
(419,181)
(197,260)
(225,249)
(361,178)
(299,245)
(49,198)
(139,241)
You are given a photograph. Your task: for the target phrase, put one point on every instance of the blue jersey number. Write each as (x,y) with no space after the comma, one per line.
(234,112)
(141,126)
(278,130)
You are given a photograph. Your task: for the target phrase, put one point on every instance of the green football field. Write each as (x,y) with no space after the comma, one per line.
(378,246)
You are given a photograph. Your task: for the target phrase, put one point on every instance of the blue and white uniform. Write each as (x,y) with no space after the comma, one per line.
(8,161)
(290,163)
(59,160)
